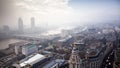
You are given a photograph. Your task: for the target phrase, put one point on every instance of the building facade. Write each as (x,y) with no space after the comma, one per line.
(116,63)
(20,25)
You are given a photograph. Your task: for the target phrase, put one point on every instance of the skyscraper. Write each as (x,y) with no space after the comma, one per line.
(20,25)
(32,23)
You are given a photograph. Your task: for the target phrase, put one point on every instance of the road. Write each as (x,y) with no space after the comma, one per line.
(108,60)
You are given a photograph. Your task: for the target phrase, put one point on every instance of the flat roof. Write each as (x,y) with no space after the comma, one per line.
(50,64)
(32,60)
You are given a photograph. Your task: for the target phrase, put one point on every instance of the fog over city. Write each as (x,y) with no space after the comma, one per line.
(54,13)
(59,33)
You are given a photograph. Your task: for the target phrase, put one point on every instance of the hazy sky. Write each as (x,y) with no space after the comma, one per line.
(60,12)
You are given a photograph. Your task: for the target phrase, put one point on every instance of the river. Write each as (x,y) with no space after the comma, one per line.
(4,43)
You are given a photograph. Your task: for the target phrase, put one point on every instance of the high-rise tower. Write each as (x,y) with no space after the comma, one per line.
(20,25)
(32,23)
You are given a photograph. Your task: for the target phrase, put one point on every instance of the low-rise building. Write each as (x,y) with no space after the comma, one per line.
(116,63)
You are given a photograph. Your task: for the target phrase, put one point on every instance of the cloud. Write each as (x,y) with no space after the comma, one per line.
(44,6)
(45,12)
(62,12)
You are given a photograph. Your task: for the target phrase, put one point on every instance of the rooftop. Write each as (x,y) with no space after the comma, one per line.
(82,54)
(93,53)
(118,55)
(50,64)
(32,60)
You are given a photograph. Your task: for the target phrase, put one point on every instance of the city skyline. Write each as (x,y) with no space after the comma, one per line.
(64,12)
(59,33)
(80,47)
